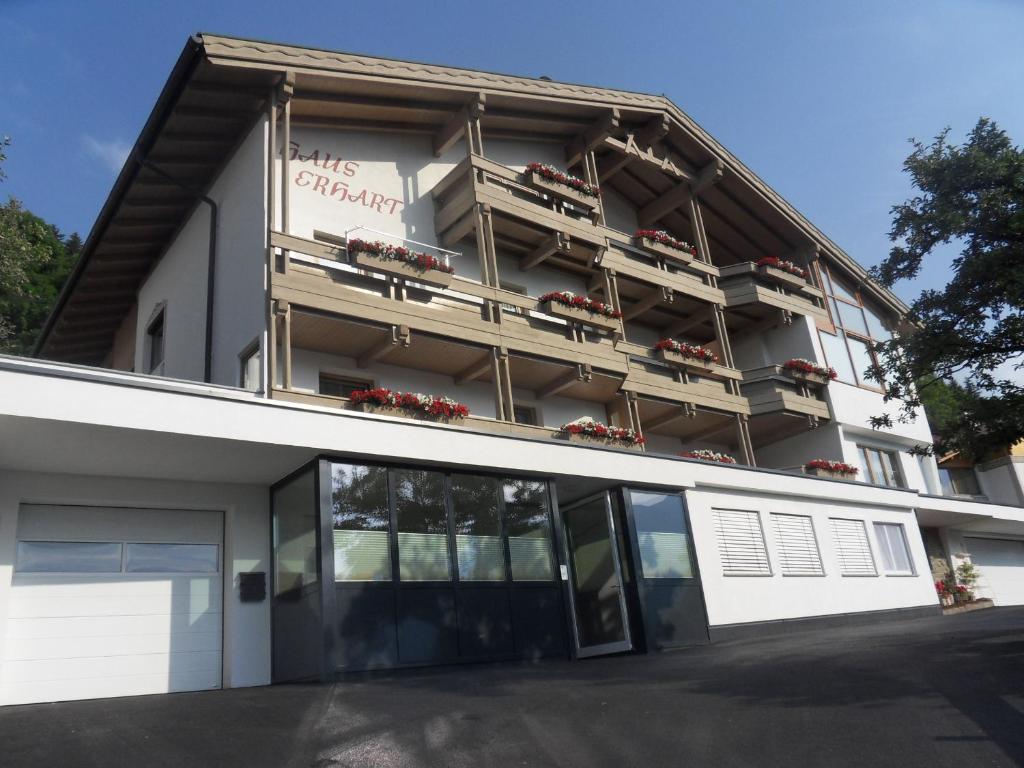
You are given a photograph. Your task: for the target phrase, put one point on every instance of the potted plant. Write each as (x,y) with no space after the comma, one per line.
(809,371)
(945,596)
(704,454)
(580,309)
(572,189)
(590,432)
(966,577)
(834,469)
(400,261)
(782,272)
(660,242)
(390,402)
(683,355)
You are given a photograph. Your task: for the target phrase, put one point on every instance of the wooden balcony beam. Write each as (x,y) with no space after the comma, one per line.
(582,372)
(474,370)
(648,156)
(709,175)
(611,165)
(559,242)
(655,130)
(455,128)
(591,138)
(664,204)
(652,299)
(685,411)
(398,336)
(685,324)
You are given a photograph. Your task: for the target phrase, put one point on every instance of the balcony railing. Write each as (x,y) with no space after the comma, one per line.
(745,285)
(772,390)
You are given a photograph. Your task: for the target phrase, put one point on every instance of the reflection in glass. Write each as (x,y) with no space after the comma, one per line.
(529,529)
(422,526)
(596,584)
(851,318)
(361,521)
(876,328)
(663,536)
(837,356)
(69,557)
(862,360)
(477,528)
(295,524)
(171,558)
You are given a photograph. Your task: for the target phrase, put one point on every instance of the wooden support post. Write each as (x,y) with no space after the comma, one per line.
(270,371)
(398,335)
(579,147)
(285,90)
(284,313)
(743,438)
(464,123)
(503,408)
(722,334)
(484,242)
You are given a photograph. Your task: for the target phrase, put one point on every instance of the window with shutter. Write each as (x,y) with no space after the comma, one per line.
(852,547)
(741,543)
(798,549)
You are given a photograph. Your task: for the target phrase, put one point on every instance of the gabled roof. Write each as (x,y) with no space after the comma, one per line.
(221,85)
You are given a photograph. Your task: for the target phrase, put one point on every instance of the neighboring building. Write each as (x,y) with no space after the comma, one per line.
(191,425)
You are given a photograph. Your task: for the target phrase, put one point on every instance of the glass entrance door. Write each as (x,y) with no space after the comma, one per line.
(599,605)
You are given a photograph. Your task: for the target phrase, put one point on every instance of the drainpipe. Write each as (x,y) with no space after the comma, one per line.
(211,263)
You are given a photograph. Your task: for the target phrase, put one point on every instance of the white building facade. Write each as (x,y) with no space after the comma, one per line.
(192,498)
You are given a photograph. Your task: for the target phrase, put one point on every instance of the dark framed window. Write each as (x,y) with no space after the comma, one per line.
(529,529)
(341,386)
(422,524)
(476,514)
(880,467)
(249,363)
(155,342)
(361,523)
(858,326)
(525,414)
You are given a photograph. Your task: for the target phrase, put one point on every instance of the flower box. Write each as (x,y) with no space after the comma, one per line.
(781,277)
(406,413)
(807,377)
(603,442)
(667,251)
(819,472)
(562,191)
(402,269)
(579,315)
(682,361)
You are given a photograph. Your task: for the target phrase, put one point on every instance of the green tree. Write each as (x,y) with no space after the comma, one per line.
(972,196)
(35,260)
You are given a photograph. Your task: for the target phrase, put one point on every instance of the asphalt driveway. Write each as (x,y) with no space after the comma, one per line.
(942,691)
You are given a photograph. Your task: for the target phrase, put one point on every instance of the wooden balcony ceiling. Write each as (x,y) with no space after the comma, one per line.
(546,378)
(769,428)
(698,425)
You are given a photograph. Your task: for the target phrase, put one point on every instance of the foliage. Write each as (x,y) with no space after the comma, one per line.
(972,196)
(35,260)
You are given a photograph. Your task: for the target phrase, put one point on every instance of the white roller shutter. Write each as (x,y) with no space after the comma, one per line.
(740,542)
(113,602)
(852,547)
(798,549)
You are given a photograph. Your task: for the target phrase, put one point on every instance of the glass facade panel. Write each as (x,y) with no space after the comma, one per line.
(422,523)
(295,526)
(361,522)
(69,557)
(851,318)
(862,361)
(837,356)
(838,289)
(663,535)
(529,529)
(477,519)
(876,329)
(171,558)
(959,482)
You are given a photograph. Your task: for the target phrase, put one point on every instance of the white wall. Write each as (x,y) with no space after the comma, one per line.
(1002,481)
(178,282)
(741,599)
(246,546)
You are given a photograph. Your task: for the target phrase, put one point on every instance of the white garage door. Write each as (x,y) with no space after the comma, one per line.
(113,602)
(1000,565)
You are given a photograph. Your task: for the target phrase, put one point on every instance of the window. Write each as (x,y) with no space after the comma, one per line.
(858,327)
(525,414)
(171,558)
(341,386)
(892,545)
(69,557)
(478,545)
(249,364)
(852,547)
(663,536)
(880,467)
(422,523)
(295,534)
(361,522)
(513,288)
(155,343)
(798,549)
(529,529)
(741,543)
(960,481)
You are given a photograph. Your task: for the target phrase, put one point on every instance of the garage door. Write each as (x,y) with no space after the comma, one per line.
(1000,564)
(113,602)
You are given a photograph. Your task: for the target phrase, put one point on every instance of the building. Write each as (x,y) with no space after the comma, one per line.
(193,496)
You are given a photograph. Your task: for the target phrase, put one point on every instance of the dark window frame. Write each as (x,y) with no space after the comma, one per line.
(156,339)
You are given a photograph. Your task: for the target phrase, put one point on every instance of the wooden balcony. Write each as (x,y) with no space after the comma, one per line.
(780,405)
(752,295)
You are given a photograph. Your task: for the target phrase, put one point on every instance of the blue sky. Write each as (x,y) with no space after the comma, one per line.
(818,98)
